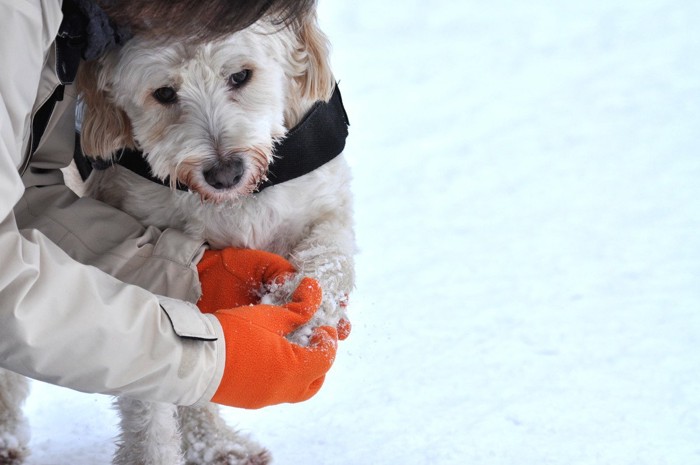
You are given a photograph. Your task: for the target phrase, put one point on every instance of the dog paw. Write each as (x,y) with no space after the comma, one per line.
(12,452)
(331,311)
(231,454)
(279,293)
(259,458)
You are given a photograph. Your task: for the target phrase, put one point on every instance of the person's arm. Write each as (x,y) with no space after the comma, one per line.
(72,324)
(62,321)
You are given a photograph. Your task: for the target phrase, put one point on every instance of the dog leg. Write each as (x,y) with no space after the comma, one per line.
(208,440)
(334,271)
(14,429)
(149,434)
(326,254)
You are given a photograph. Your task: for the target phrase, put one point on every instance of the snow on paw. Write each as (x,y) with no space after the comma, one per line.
(233,454)
(262,457)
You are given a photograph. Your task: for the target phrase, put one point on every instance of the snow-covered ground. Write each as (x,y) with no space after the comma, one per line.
(527,179)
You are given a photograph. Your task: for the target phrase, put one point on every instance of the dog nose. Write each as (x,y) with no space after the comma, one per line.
(225,173)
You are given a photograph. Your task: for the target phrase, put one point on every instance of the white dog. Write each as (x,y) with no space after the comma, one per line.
(210,117)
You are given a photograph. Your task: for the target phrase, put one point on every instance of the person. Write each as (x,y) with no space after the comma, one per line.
(89,298)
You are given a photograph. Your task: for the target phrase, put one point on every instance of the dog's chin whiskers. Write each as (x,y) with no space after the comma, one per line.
(185,172)
(261,159)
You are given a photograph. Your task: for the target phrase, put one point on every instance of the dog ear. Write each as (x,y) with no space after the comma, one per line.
(105,127)
(316,81)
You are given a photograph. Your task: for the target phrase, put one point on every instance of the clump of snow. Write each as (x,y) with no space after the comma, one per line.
(279,294)
(334,301)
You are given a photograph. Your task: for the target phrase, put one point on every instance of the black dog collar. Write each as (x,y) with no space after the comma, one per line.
(316,140)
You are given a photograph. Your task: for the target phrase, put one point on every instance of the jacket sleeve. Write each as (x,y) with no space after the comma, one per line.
(79,280)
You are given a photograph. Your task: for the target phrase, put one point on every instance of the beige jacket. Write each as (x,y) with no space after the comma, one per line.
(67,315)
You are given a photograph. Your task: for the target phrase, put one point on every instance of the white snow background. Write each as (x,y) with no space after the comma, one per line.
(527,179)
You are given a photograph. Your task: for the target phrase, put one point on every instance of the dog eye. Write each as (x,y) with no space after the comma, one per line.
(238,79)
(165,95)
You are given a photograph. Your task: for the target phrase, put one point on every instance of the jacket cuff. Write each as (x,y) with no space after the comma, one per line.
(189,322)
(218,375)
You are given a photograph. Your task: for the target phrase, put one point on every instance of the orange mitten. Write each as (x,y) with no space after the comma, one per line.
(344,328)
(233,277)
(262,367)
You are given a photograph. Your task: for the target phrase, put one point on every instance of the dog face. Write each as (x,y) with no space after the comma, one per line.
(206,115)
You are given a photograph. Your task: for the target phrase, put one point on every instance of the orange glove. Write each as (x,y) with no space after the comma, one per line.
(262,367)
(233,277)
(344,328)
